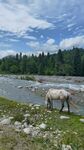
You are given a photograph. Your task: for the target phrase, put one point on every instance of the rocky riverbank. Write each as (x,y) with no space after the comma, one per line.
(28,126)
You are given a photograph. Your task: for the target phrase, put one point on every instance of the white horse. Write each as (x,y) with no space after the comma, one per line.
(57,94)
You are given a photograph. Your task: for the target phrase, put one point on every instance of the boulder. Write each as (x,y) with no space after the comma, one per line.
(6,121)
(19,87)
(64,117)
(37,105)
(28,130)
(42,126)
(18,125)
(66,147)
(35,132)
(82,120)
(25,125)
(27,115)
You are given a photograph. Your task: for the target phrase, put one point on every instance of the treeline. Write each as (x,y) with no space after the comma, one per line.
(67,62)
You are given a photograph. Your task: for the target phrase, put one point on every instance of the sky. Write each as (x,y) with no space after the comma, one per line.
(35,26)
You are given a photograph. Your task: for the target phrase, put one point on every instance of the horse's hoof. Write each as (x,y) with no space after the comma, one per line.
(60,111)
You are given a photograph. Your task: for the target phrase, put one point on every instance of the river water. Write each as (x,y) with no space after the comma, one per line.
(17,89)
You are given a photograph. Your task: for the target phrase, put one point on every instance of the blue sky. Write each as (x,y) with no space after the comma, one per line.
(33,26)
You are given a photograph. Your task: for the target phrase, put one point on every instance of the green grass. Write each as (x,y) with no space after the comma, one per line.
(71,130)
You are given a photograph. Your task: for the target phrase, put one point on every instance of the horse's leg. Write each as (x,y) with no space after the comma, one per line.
(67,101)
(48,103)
(51,104)
(62,105)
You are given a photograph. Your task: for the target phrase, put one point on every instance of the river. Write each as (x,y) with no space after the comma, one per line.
(23,90)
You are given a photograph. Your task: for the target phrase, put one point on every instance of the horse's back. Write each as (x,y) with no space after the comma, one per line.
(57,93)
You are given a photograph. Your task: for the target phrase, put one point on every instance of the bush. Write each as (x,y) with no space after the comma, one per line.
(32,78)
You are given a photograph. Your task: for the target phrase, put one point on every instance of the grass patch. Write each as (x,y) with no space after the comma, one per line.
(69,131)
(28,77)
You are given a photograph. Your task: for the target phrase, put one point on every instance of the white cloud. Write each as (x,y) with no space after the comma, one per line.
(13,40)
(56,8)
(70,42)
(7,53)
(70,25)
(20,17)
(51,46)
(11,52)
(29,37)
(48,46)
(50,41)
(17,19)
(34,44)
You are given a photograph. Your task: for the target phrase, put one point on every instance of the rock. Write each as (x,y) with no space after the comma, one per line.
(46,135)
(1,132)
(5,121)
(18,125)
(28,130)
(82,120)
(19,87)
(27,86)
(57,131)
(43,126)
(37,108)
(48,111)
(27,115)
(82,89)
(4,116)
(36,117)
(64,117)
(65,109)
(11,118)
(66,147)
(35,133)
(36,88)
(30,105)
(18,130)
(32,108)
(37,105)
(33,90)
(25,125)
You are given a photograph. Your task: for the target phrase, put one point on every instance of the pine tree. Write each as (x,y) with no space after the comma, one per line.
(77,62)
(60,58)
(82,65)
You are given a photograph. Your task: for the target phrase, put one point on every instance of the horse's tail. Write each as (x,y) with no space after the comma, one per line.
(73,104)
